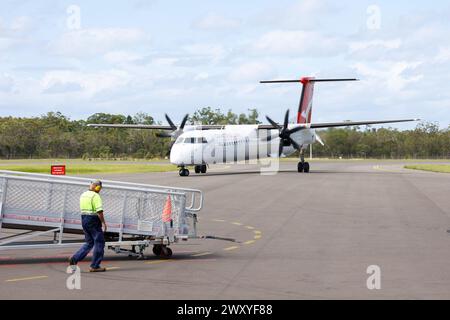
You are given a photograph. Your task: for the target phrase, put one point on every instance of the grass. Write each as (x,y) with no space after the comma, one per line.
(77,168)
(441,168)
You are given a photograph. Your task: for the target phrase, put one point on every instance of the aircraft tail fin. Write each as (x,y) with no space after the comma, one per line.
(306,98)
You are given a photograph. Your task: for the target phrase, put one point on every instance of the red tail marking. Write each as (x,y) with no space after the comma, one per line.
(305,107)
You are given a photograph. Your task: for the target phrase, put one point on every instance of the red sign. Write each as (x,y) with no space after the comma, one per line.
(58,170)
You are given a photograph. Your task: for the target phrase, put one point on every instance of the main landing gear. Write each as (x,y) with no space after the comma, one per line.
(200,169)
(184,172)
(302,165)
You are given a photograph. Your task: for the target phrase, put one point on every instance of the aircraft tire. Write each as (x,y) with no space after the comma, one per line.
(300,167)
(306,167)
(184,173)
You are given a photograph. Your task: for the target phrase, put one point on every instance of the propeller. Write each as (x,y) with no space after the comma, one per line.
(285,134)
(319,139)
(177,131)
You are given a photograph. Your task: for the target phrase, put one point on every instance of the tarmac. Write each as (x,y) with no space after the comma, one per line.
(301,236)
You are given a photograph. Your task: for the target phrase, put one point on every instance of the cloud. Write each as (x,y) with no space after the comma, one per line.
(6,83)
(375,49)
(443,55)
(83,82)
(393,74)
(214,21)
(386,44)
(302,14)
(251,72)
(213,52)
(21,24)
(307,43)
(14,33)
(18,26)
(122,57)
(59,87)
(87,42)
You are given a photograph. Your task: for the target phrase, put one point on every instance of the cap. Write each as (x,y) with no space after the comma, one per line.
(97,183)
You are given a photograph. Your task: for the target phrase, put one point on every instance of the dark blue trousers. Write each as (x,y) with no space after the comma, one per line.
(93,233)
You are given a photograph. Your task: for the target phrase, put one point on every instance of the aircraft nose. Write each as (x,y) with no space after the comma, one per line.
(174,156)
(177,156)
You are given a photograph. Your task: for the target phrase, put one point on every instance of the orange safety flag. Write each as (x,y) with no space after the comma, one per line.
(167,211)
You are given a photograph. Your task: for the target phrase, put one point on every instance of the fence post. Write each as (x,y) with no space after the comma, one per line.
(2,200)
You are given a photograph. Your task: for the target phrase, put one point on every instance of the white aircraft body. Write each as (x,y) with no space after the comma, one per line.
(204,145)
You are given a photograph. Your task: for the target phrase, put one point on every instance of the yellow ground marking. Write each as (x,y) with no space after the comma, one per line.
(27,279)
(237,223)
(184,260)
(257,237)
(198,260)
(257,232)
(202,254)
(231,248)
(112,268)
(157,261)
(250,227)
(219,220)
(249,242)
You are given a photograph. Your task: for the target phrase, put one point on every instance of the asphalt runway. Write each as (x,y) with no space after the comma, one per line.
(303,236)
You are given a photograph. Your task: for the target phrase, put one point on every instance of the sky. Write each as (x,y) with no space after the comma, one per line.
(155,56)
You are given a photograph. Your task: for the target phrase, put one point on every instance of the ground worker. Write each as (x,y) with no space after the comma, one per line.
(93,221)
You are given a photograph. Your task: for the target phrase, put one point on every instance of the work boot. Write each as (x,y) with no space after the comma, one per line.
(99,269)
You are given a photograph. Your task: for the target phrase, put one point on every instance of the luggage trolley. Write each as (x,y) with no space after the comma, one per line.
(47,208)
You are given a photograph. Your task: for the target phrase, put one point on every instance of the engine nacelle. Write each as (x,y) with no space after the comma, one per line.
(305,137)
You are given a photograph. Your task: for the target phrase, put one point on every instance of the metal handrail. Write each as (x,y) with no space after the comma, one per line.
(109,184)
(83,184)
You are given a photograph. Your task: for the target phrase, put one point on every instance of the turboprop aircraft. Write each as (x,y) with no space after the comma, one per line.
(203,145)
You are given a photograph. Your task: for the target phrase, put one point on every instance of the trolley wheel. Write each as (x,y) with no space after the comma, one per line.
(166,252)
(157,249)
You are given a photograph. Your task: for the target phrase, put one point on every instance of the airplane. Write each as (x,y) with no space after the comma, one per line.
(203,145)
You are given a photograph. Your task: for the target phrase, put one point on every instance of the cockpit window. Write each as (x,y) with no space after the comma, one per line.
(201,140)
(192,140)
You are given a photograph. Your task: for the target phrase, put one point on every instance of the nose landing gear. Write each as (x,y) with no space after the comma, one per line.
(184,172)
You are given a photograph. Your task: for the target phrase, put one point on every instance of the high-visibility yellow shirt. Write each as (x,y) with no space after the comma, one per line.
(90,203)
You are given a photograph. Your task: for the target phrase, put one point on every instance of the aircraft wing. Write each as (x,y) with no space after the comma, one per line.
(355,123)
(152,127)
(130,126)
(340,124)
